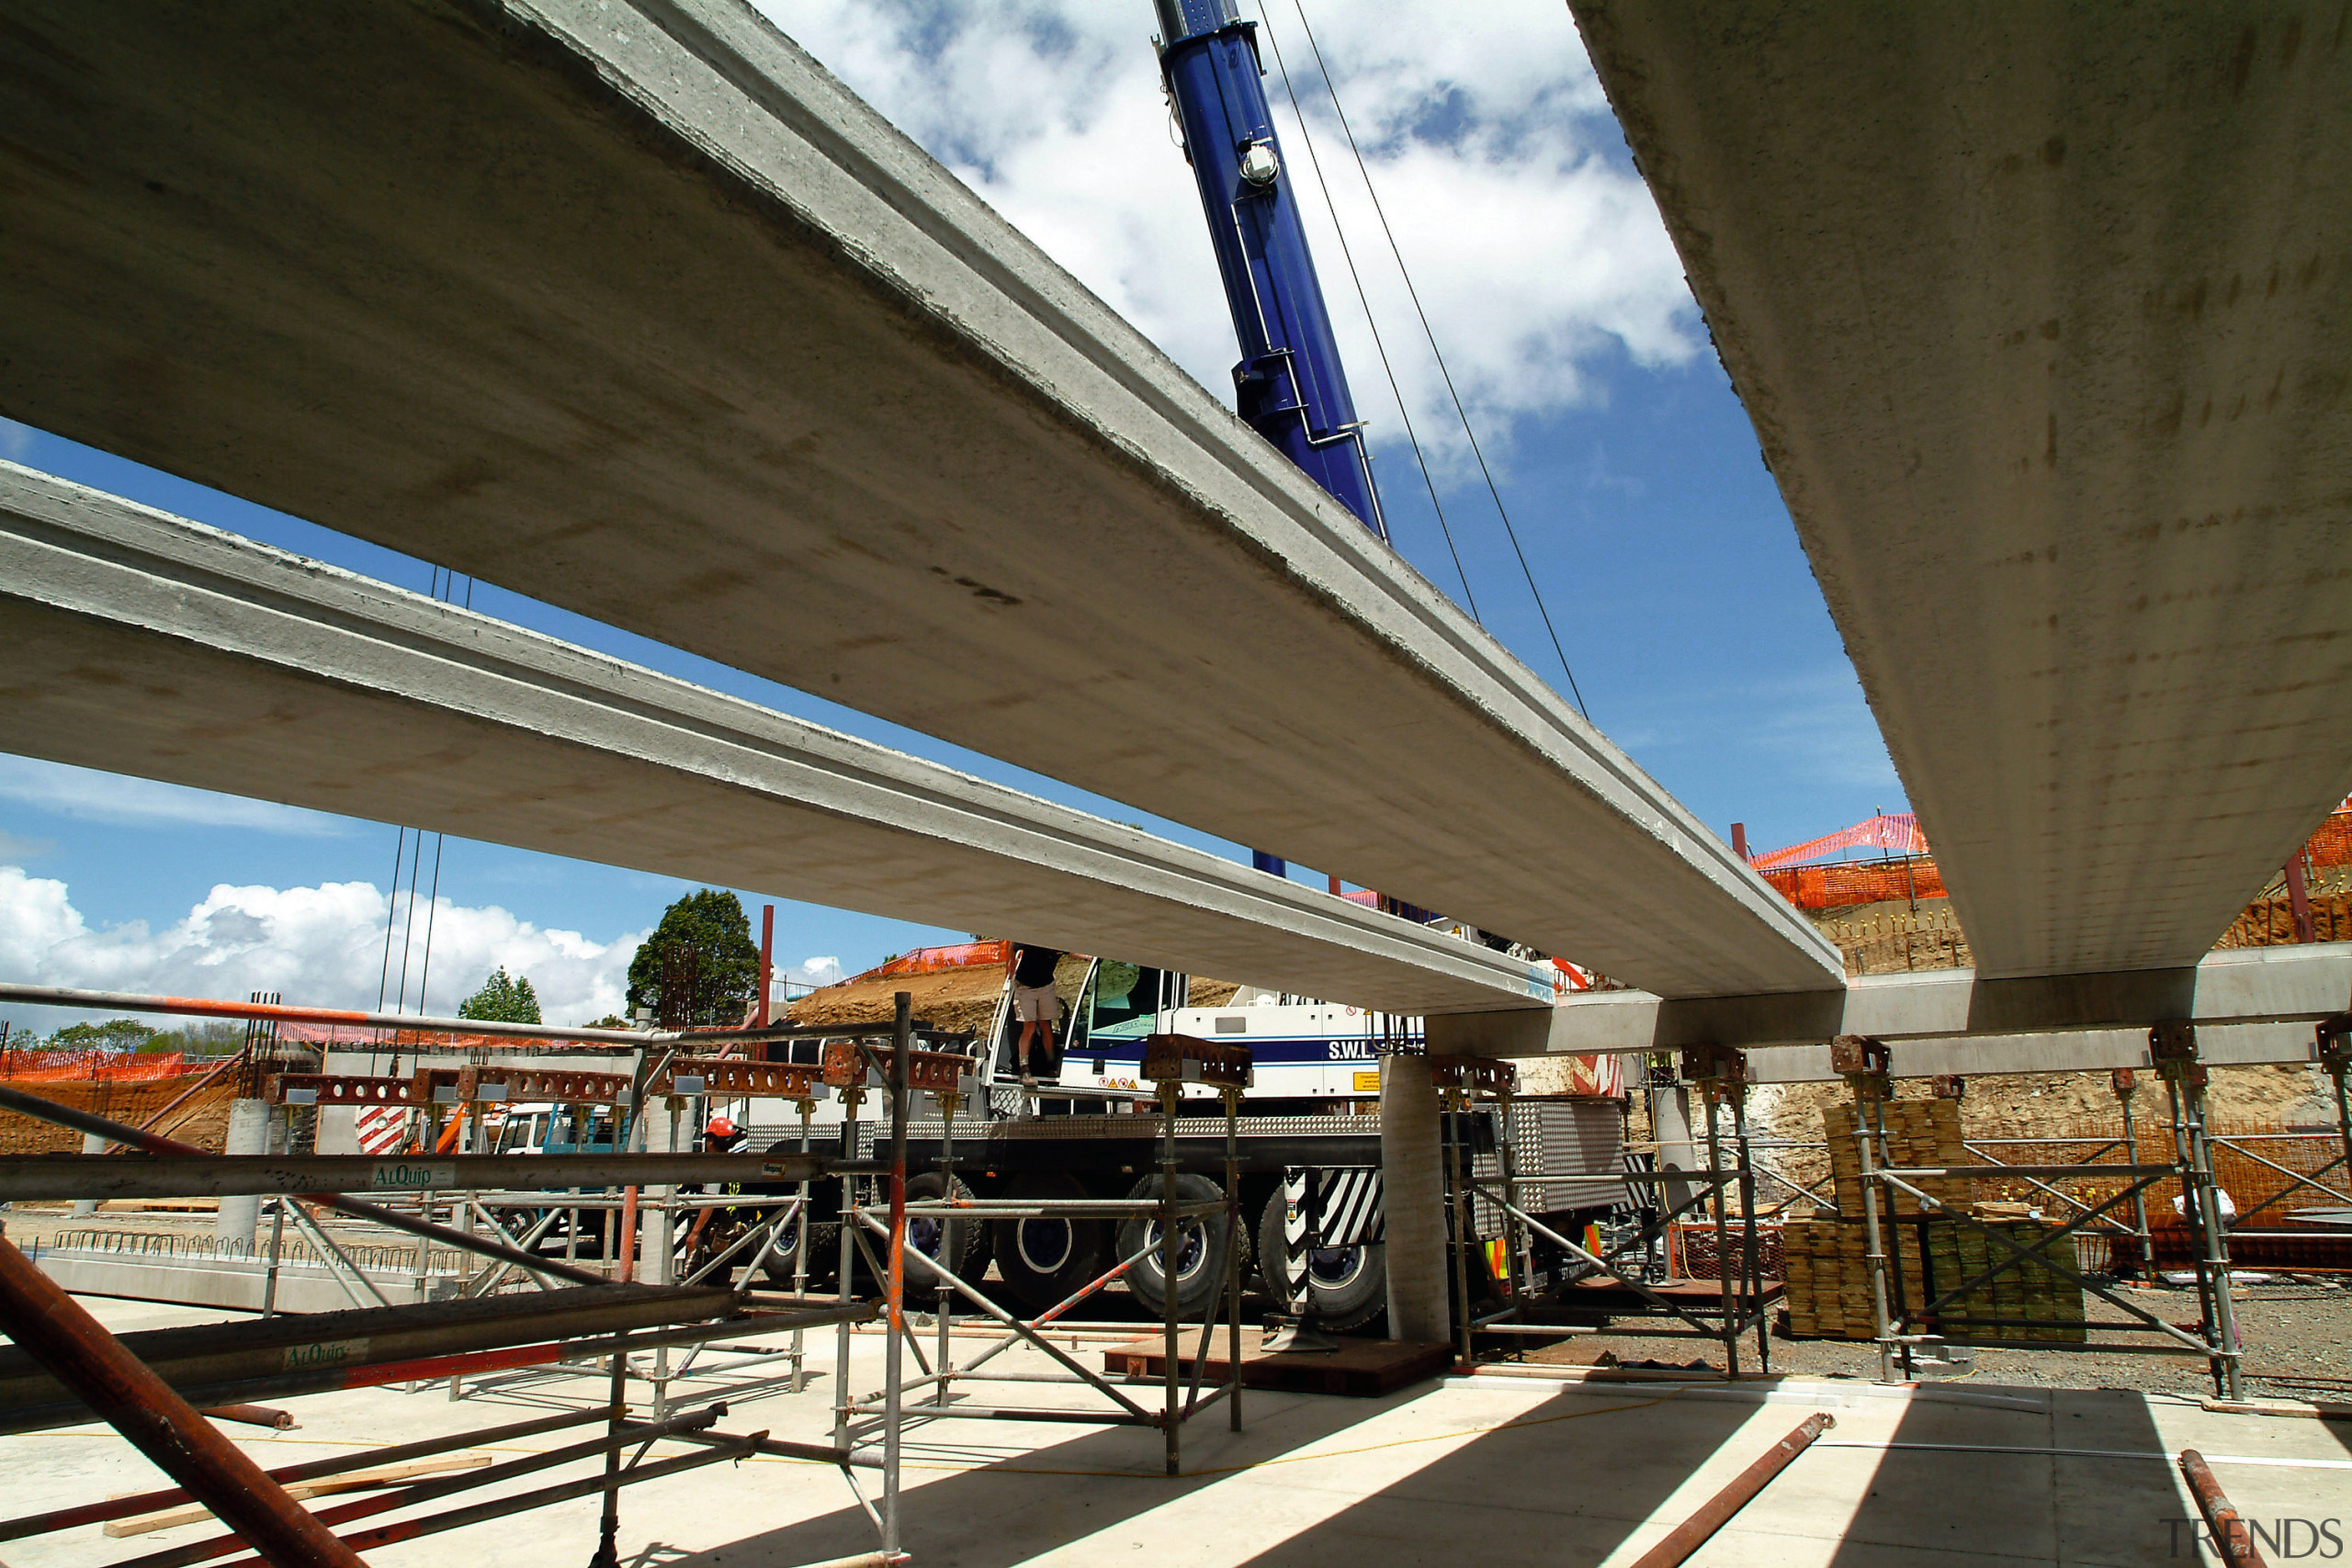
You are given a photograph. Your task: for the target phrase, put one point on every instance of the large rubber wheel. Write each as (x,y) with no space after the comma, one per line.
(824,1253)
(824,1236)
(1349,1284)
(959,1245)
(1043,1262)
(1202,1245)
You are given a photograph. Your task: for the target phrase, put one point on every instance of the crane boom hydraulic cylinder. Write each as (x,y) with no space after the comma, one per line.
(1289,385)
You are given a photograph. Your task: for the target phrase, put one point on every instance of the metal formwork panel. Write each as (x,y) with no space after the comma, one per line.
(1568,1154)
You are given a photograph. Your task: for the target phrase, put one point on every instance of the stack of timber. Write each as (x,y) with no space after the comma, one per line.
(1829,1294)
(1829,1275)
(1919,1133)
(2026,1293)
(1829,1280)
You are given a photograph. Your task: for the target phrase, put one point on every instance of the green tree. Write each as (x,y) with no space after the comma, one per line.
(502,1001)
(701,956)
(114,1034)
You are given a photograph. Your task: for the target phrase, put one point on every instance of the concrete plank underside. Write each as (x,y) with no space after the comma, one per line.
(144,644)
(2043,323)
(635,309)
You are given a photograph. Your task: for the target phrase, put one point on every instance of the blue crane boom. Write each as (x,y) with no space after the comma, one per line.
(1289,385)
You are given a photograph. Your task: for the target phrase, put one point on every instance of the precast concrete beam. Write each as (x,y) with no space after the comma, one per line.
(631,308)
(2088,1050)
(2043,317)
(141,643)
(2267,986)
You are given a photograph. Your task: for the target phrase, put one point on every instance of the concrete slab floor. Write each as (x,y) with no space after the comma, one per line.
(1505,1471)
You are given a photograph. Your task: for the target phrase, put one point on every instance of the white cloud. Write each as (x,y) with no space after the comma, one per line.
(1484,127)
(320,946)
(123,801)
(16,441)
(819,971)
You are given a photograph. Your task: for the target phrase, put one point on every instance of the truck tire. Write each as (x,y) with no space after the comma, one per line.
(824,1255)
(1202,1246)
(960,1245)
(824,1237)
(1349,1284)
(1043,1261)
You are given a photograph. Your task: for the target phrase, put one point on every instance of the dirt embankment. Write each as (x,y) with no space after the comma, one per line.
(955,999)
(203,1121)
(2052,1105)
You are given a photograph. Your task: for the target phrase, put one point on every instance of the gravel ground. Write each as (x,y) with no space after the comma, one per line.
(2297,1332)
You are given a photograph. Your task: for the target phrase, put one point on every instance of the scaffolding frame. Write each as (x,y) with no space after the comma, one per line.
(101,1373)
(1722,1076)
(1170,1062)
(1865,1063)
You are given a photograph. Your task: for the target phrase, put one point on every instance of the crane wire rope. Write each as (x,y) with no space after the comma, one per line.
(1331,88)
(1348,254)
(448,583)
(444,590)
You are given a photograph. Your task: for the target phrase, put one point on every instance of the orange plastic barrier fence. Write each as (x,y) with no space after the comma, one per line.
(2332,845)
(90,1066)
(931,960)
(1871,882)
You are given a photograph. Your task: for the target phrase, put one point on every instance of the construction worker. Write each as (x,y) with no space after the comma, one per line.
(1038,1009)
(723,1137)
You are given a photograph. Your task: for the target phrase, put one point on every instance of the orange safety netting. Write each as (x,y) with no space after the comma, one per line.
(90,1067)
(1864,882)
(1892,833)
(2332,845)
(932,960)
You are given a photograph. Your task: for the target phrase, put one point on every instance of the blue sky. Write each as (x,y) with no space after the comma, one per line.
(1698,640)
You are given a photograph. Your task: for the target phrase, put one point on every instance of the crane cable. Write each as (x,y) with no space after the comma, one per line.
(1315,164)
(1332,89)
(444,590)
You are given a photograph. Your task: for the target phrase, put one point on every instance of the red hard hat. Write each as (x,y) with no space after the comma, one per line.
(720,1127)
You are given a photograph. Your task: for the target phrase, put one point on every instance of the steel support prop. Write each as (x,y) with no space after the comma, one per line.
(2232,1542)
(1172,1095)
(2334,1049)
(1721,1076)
(1863,1063)
(42,1318)
(1682,1541)
(1233,1254)
(1751,1253)
(894,1363)
(1454,1105)
(2172,1047)
(2126,1084)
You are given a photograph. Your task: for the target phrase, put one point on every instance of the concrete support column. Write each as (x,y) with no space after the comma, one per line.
(1413,1202)
(1671,1126)
(655,1223)
(92,1143)
(249,1131)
